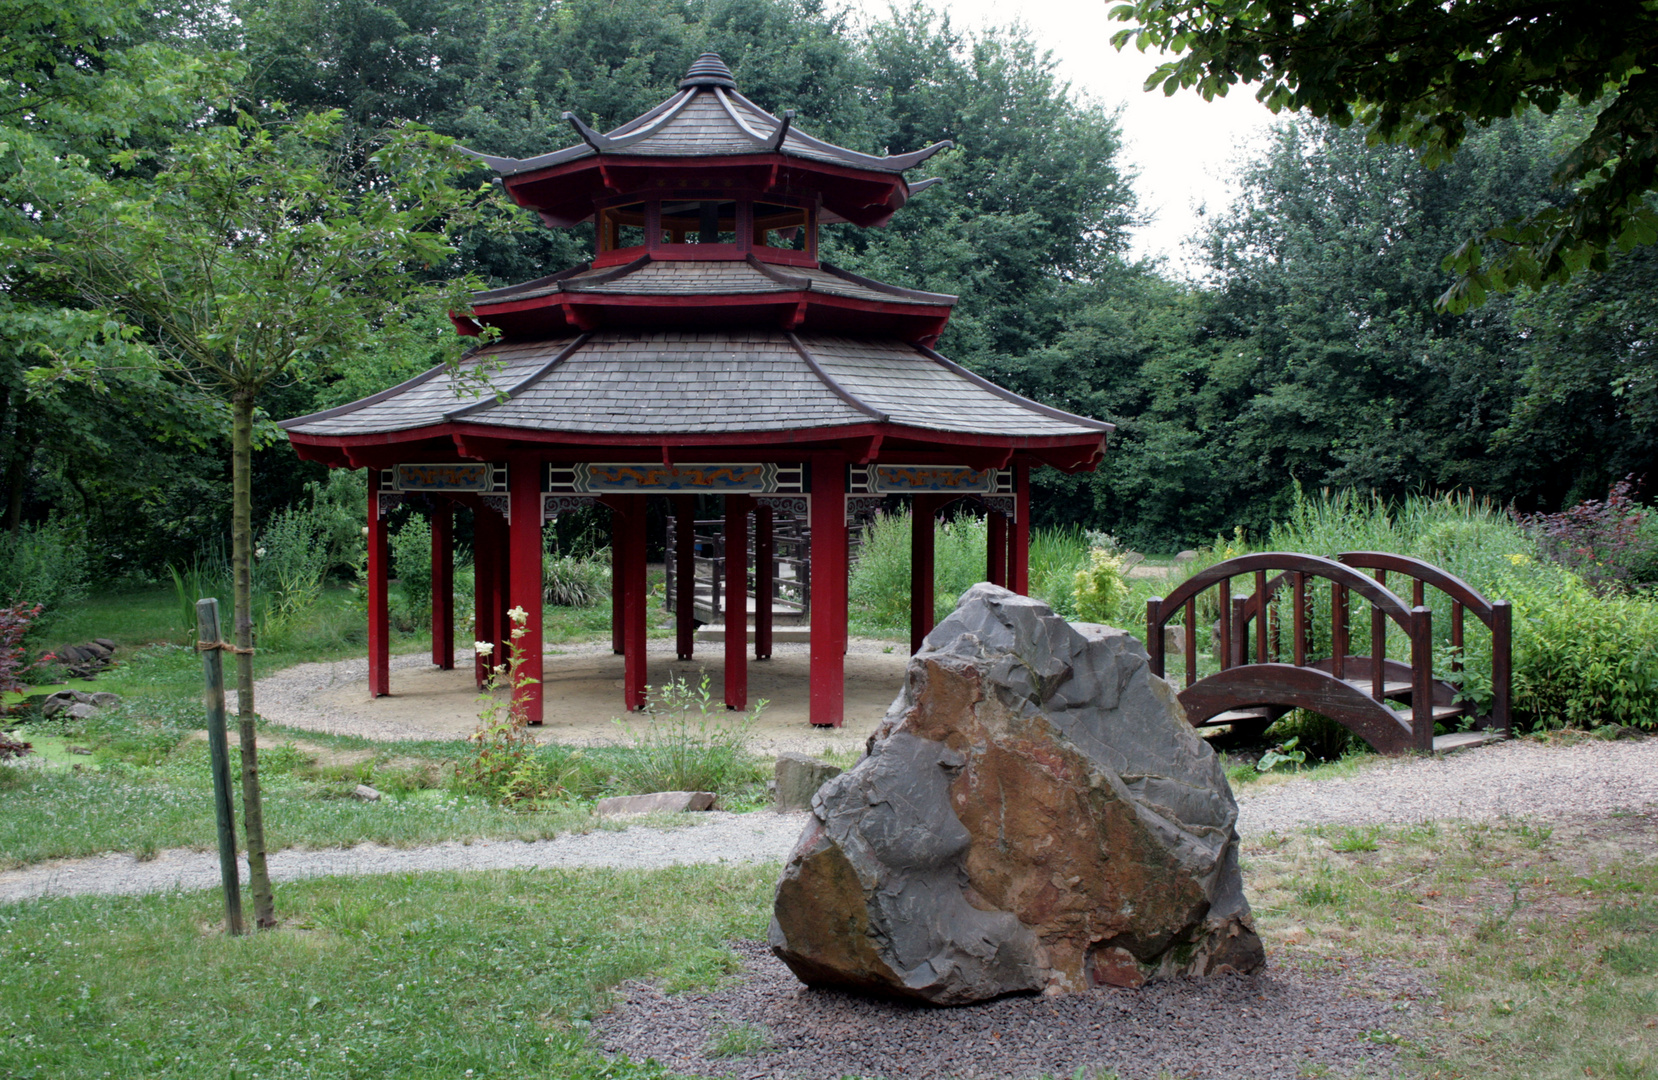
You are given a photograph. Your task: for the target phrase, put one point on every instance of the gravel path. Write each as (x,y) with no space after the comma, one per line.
(1277,1024)
(708,838)
(1511,779)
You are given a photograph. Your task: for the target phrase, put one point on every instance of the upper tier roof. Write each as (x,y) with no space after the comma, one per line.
(706,119)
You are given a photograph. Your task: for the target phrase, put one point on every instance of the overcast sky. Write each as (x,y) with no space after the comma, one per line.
(1183,147)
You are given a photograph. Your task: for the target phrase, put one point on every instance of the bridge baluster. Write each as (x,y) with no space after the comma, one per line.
(1338,630)
(1378,643)
(1225,608)
(1154,635)
(1191,641)
(1260,616)
(1421,678)
(1300,580)
(1456,635)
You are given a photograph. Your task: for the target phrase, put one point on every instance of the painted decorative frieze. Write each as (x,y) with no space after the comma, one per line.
(899,479)
(702,478)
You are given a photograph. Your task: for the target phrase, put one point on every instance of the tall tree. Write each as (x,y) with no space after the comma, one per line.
(251,253)
(1426,75)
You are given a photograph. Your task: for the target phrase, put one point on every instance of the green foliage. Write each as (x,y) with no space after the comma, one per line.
(45,565)
(879,588)
(1426,76)
(684,741)
(411,554)
(575,581)
(290,564)
(1101,591)
(1283,756)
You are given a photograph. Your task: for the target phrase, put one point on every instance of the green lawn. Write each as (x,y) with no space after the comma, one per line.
(1542,942)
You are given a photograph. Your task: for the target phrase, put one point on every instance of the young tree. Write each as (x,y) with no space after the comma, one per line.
(248,254)
(1424,73)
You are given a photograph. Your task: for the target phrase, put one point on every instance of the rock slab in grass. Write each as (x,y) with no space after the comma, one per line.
(797,779)
(660,802)
(1034,814)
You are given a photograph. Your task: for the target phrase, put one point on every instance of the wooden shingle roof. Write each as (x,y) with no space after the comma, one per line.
(687,383)
(707,118)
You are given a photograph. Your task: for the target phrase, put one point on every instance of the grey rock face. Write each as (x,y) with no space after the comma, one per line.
(797,779)
(364,793)
(1034,814)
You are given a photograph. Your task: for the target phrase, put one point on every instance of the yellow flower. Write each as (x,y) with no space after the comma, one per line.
(1519,559)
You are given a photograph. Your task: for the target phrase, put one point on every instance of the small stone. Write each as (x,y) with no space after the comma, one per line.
(80,750)
(659,802)
(80,696)
(103,699)
(105,642)
(79,711)
(1174,640)
(1186,556)
(366,793)
(797,779)
(96,651)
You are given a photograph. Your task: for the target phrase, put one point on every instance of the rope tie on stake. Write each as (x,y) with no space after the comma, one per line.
(223,646)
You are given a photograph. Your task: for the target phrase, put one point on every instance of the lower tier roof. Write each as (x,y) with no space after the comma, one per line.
(654,385)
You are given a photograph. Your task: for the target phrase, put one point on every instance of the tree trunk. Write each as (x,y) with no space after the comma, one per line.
(241,544)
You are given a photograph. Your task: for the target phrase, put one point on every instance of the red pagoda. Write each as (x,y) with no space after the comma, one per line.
(704,350)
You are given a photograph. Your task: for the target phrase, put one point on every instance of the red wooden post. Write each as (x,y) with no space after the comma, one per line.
(379,618)
(1190,641)
(1260,616)
(525,581)
(443,586)
(921,569)
(1223,604)
(1019,545)
(765,571)
(634,673)
(995,570)
(618,583)
(1339,646)
(828,691)
(1378,643)
(685,571)
(1299,618)
(736,601)
(486,545)
(503,593)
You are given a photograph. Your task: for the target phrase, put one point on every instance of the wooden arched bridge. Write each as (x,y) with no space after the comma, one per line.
(1391,704)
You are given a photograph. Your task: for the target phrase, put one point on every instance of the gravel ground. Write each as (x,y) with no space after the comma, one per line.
(1516,779)
(1510,779)
(1277,1024)
(707,838)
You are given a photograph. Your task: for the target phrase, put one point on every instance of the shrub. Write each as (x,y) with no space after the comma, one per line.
(411,553)
(1603,541)
(1101,590)
(574,581)
(1056,557)
(44,565)
(15,622)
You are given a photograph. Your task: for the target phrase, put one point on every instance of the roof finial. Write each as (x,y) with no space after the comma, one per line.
(709,70)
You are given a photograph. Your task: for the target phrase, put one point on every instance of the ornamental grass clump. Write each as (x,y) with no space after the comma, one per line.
(684,741)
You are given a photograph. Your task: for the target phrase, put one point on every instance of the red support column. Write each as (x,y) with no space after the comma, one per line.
(736,601)
(379,618)
(828,690)
(443,586)
(503,591)
(486,546)
(633,617)
(618,582)
(921,568)
(763,583)
(524,581)
(685,570)
(1018,570)
(995,570)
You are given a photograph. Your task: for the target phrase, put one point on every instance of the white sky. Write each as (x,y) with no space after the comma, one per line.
(1183,147)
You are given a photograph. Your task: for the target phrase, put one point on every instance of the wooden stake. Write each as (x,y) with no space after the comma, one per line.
(218,747)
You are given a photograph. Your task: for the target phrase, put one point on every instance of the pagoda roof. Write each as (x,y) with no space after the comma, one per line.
(708,130)
(707,118)
(732,291)
(758,387)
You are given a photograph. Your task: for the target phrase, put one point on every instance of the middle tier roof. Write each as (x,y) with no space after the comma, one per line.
(694,294)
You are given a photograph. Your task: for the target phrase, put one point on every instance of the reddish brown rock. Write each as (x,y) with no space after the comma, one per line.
(1034,814)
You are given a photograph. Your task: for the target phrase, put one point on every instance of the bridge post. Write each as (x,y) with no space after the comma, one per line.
(1421,677)
(1154,635)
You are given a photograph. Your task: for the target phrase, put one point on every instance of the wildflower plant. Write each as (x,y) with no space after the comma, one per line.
(502,764)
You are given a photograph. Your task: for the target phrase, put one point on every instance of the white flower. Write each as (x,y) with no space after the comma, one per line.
(518,615)
(483,648)
(259,553)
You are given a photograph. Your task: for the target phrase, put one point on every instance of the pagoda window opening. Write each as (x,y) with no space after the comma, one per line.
(707,221)
(622,227)
(784,227)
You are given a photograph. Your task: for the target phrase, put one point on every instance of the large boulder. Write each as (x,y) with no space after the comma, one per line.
(1034,813)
